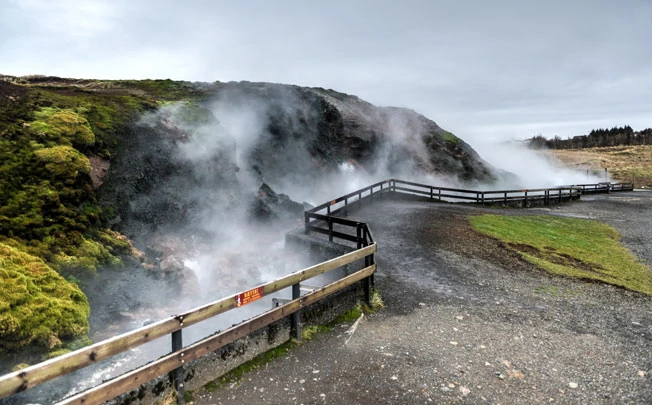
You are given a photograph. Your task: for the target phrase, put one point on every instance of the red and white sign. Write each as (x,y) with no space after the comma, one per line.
(248,296)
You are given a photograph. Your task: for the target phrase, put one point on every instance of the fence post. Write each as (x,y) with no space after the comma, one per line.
(439,193)
(346,207)
(306,218)
(330,229)
(295,329)
(431,192)
(177,374)
(363,242)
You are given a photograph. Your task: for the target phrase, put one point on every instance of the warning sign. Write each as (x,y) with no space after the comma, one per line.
(248,296)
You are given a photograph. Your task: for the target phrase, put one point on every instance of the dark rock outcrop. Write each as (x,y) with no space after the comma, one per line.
(270,205)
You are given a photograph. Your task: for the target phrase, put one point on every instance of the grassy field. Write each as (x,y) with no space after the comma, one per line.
(569,247)
(623,163)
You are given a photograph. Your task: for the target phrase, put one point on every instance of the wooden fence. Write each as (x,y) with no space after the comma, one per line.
(32,376)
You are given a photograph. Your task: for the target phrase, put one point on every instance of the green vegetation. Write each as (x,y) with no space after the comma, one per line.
(37,306)
(450,139)
(51,225)
(188,396)
(236,374)
(569,247)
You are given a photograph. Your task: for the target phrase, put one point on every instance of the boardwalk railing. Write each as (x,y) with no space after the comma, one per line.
(323,219)
(35,375)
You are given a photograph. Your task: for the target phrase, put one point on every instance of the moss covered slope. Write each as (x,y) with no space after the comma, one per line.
(51,226)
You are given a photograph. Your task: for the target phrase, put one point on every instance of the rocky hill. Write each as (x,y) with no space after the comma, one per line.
(118,177)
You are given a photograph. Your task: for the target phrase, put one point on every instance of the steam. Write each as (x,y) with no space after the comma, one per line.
(533,169)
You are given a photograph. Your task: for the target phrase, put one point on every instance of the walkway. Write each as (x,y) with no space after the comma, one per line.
(466,321)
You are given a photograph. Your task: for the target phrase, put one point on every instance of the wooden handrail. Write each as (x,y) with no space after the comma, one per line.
(37,374)
(135,378)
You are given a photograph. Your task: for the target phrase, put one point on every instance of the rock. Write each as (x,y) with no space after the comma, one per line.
(572,385)
(53,342)
(270,205)
(172,264)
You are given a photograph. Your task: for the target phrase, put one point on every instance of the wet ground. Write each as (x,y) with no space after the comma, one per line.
(467,321)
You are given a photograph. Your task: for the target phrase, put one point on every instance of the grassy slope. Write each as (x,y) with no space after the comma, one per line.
(622,162)
(51,226)
(569,247)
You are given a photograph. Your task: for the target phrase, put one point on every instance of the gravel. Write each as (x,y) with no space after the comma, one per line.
(467,321)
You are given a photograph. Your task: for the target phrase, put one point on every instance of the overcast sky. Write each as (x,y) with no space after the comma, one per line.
(483,69)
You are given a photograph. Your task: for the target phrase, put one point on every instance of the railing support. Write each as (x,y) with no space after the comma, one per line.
(295,327)
(306,218)
(177,374)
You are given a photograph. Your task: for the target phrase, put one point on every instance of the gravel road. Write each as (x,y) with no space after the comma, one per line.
(468,322)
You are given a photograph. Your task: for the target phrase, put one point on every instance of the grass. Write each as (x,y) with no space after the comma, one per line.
(622,162)
(569,247)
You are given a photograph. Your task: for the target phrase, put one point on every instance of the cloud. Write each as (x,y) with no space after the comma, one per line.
(480,69)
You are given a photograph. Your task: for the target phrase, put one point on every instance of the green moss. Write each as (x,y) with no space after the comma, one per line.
(570,247)
(450,139)
(258,361)
(37,305)
(49,215)
(308,332)
(63,127)
(63,161)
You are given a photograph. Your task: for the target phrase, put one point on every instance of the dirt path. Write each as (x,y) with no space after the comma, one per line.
(466,321)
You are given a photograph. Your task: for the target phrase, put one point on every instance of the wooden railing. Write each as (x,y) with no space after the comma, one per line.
(605,187)
(35,375)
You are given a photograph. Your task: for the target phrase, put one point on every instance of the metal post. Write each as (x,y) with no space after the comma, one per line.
(295,329)
(330,229)
(177,374)
(346,207)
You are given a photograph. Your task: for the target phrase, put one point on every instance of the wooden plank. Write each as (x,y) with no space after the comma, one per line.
(208,311)
(135,378)
(335,234)
(29,377)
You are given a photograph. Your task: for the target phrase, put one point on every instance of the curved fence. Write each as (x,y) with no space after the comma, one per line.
(322,219)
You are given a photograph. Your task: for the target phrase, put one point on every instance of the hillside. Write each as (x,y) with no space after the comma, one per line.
(623,163)
(110,187)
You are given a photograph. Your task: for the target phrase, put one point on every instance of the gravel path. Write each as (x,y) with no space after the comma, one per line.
(467,321)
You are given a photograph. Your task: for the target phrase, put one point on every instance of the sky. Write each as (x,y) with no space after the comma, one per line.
(487,71)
